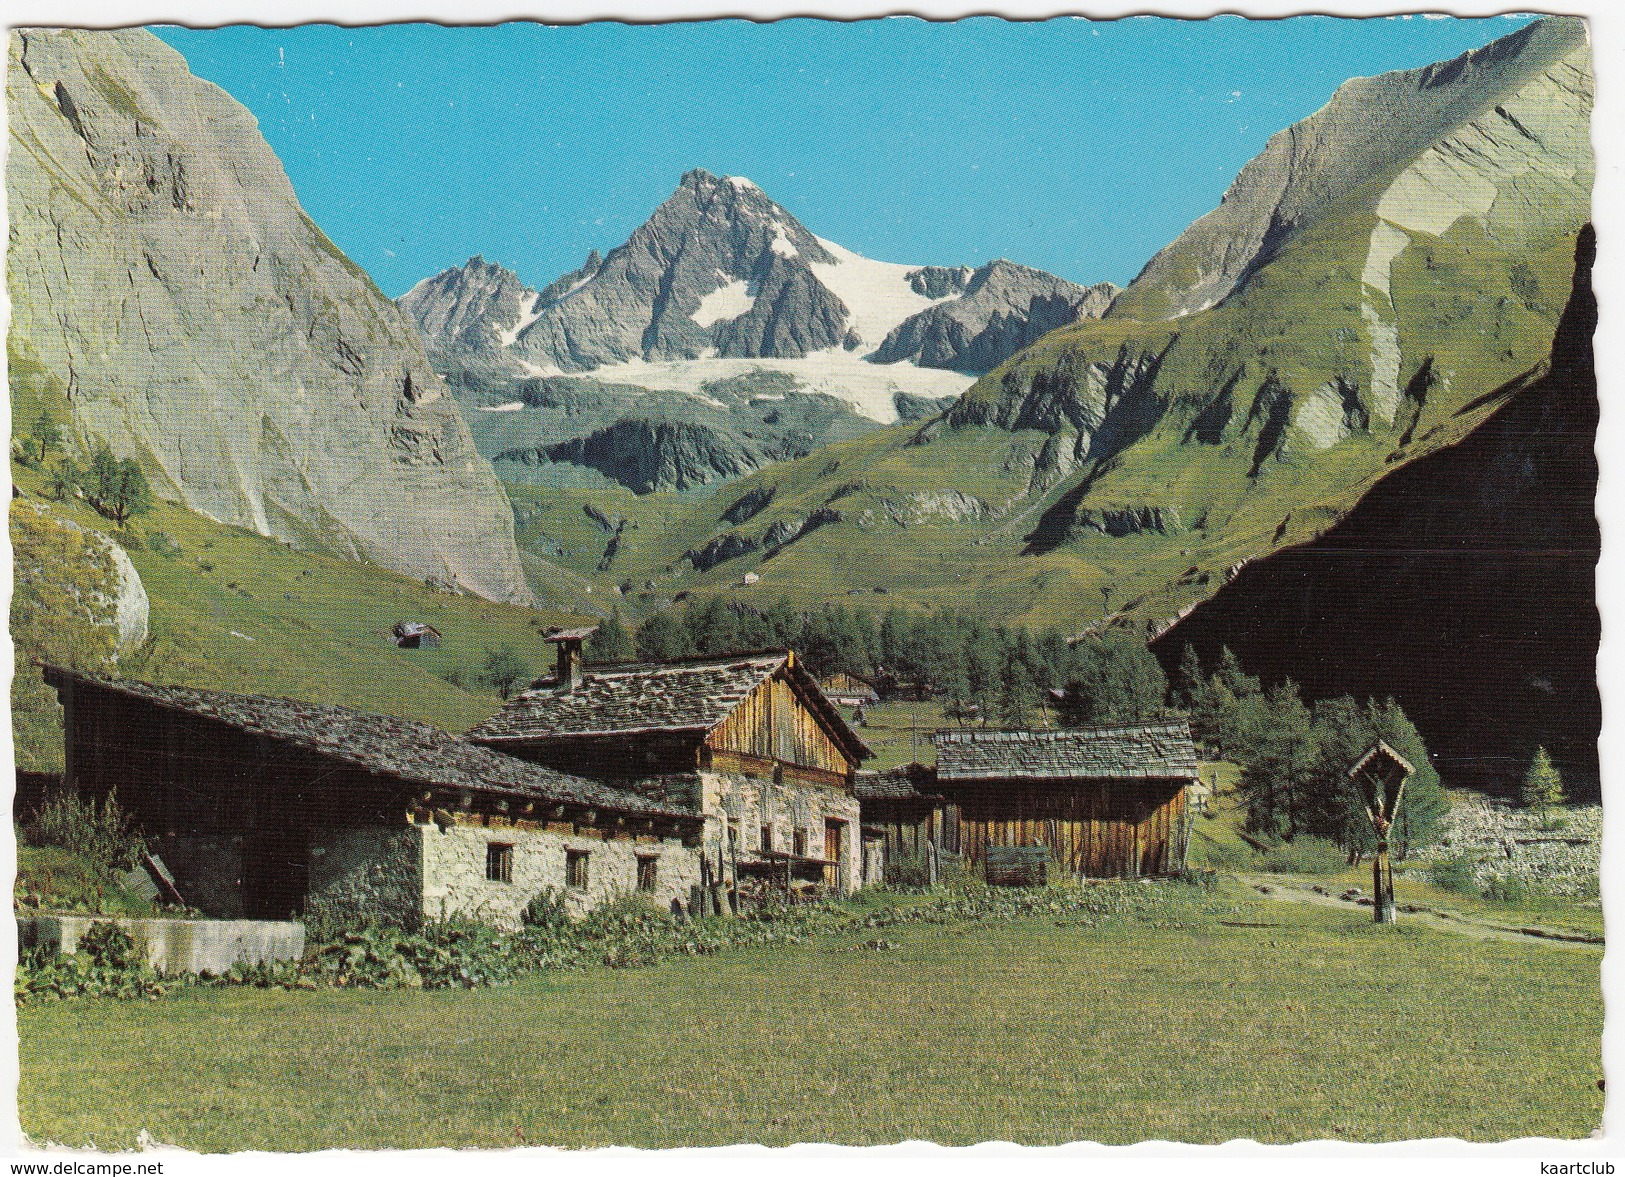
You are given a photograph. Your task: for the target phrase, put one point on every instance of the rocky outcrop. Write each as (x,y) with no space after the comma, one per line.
(86,573)
(166,284)
(658,455)
(1120,521)
(1001,308)
(724,547)
(934,506)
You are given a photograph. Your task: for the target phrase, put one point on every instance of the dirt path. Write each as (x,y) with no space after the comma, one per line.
(1291,890)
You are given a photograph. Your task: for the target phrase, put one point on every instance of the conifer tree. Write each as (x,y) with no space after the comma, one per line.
(1543,787)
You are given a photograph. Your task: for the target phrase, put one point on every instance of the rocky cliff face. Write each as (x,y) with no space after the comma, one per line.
(1000,309)
(646,455)
(168,289)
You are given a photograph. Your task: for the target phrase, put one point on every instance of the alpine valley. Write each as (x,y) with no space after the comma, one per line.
(728,405)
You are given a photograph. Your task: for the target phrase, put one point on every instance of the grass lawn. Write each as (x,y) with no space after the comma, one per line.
(1217,1015)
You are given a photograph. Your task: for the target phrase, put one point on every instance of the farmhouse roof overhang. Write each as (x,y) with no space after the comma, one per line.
(910,782)
(1160,751)
(687,696)
(410,751)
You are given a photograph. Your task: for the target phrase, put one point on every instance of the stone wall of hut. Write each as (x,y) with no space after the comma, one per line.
(749,802)
(455,882)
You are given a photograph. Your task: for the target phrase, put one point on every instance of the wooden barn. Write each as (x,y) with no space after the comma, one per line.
(1105,801)
(748,740)
(848,690)
(275,809)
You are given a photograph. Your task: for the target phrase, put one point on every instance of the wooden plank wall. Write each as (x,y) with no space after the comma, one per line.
(908,828)
(1109,830)
(774,724)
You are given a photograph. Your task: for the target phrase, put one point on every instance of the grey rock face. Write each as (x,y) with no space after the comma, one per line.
(721,270)
(656,455)
(718,239)
(164,277)
(1001,309)
(472,308)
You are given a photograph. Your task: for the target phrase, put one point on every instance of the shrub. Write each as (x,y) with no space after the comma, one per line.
(100,833)
(546,909)
(108,964)
(913,870)
(1454,874)
(1506,888)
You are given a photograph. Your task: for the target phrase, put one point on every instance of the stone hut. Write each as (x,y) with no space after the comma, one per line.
(274,809)
(746,740)
(1104,801)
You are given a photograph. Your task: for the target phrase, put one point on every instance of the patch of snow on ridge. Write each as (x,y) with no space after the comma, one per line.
(870,389)
(741,182)
(510,407)
(877,294)
(782,245)
(724,303)
(527,316)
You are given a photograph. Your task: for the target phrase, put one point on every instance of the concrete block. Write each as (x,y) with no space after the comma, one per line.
(176,946)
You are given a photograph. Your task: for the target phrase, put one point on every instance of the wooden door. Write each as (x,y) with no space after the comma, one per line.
(832,853)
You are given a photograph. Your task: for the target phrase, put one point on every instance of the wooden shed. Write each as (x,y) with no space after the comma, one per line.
(1106,801)
(848,690)
(904,811)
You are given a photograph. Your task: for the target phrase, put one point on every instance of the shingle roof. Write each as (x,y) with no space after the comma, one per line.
(1150,751)
(909,782)
(403,748)
(693,695)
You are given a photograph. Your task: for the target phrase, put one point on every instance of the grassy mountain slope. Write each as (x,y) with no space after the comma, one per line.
(233,610)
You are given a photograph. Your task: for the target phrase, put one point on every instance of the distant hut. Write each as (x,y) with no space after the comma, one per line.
(848,690)
(415,635)
(1105,801)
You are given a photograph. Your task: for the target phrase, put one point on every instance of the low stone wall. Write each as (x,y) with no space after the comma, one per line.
(176,946)
(455,882)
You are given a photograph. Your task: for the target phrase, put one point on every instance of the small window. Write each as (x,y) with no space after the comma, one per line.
(646,873)
(767,837)
(575,869)
(499,862)
(800,839)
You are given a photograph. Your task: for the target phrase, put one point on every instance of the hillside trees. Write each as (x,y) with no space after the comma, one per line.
(1295,757)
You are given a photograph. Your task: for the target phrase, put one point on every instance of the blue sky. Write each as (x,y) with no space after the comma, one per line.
(1075,146)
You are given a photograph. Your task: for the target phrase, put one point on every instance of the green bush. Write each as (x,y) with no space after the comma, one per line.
(108,964)
(100,833)
(1506,889)
(1454,874)
(546,909)
(913,870)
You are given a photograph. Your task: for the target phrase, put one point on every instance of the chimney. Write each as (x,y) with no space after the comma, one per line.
(567,643)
